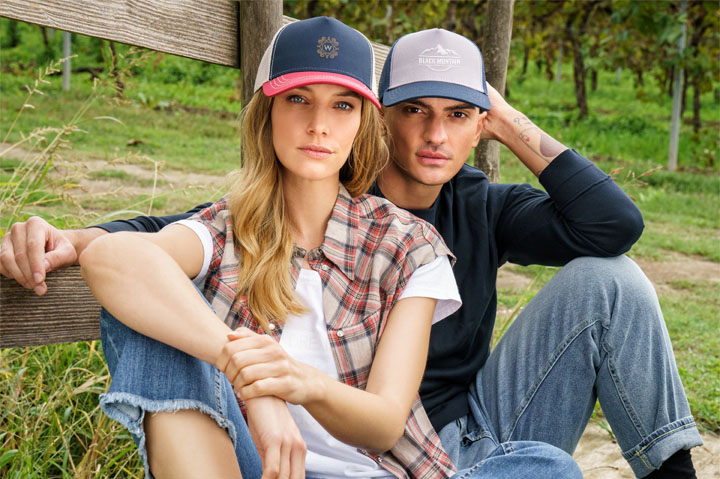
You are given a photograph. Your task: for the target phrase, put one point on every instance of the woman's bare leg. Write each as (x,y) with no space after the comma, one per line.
(189,444)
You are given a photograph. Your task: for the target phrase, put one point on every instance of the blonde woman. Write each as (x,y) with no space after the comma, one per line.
(323,297)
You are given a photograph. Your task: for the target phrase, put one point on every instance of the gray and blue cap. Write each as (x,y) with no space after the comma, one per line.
(434,63)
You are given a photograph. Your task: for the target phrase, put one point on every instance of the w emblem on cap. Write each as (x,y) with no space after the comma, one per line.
(328,47)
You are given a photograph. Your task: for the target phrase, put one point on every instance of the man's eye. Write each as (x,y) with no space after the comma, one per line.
(412,109)
(459,114)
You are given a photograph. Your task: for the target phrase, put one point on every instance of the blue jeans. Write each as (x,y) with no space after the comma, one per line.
(595,331)
(149,376)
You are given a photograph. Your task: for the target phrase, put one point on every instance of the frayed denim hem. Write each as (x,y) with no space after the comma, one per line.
(649,454)
(129,410)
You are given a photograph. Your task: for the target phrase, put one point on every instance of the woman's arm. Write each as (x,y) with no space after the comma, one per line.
(372,419)
(142,280)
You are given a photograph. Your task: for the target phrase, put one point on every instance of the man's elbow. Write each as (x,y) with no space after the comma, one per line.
(630,228)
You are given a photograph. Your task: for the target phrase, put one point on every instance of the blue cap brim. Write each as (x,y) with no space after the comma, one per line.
(435,89)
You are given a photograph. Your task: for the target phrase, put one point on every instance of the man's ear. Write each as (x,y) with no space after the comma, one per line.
(480,124)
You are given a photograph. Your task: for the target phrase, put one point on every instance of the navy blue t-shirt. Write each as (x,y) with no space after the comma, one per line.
(583,213)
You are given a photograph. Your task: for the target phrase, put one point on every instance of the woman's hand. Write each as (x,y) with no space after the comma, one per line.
(277,438)
(256,365)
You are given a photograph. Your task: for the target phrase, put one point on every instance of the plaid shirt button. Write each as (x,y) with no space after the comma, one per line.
(271,327)
(340,333)
(325,267)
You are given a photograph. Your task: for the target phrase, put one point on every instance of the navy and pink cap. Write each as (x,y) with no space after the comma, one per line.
(318,50)
(434,63)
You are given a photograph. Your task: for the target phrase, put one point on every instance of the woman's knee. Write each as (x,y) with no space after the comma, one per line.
(188,443)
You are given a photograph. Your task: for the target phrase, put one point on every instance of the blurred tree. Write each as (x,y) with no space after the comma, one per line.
(496,48)
(703,51)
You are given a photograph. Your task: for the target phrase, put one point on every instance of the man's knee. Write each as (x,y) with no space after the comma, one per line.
(617,275)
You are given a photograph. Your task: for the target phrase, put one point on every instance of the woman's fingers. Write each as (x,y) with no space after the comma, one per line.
(297,460)
(240,340)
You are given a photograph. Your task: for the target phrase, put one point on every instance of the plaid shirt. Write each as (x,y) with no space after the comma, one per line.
(370,250)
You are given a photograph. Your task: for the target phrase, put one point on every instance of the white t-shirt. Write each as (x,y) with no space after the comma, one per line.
(305,339)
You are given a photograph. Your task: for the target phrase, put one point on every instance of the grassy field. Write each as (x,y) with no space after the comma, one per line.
(50,423)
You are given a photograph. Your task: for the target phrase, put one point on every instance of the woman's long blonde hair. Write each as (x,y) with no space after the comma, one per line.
(257,206)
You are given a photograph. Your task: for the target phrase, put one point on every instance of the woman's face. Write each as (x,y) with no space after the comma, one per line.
(313,130)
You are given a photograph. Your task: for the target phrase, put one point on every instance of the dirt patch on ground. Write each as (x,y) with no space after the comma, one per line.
(679,267)
(599,456)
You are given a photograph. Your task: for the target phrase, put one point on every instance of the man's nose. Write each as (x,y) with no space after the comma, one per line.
(435,132)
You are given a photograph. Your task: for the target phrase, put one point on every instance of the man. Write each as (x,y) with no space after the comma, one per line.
(594,331)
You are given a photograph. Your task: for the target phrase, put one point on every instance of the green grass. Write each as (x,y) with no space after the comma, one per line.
(184,116)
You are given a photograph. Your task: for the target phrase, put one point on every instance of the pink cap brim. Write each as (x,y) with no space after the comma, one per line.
(289,81)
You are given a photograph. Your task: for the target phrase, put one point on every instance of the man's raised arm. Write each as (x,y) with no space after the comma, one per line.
(535,148)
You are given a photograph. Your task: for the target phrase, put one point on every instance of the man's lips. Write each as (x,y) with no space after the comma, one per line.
(316,151)
(431,157)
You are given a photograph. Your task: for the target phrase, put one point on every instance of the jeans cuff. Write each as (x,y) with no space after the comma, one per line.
(129,410)
(652,451)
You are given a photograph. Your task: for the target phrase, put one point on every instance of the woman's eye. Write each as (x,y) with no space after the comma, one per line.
(295,99)
(345,106)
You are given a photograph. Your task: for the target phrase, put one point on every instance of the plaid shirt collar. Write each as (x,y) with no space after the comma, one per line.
(341,234)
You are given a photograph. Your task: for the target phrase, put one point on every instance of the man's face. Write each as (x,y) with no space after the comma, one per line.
(431,138)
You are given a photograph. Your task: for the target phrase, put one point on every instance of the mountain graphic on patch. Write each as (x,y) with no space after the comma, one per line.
(439,59)
(439,50)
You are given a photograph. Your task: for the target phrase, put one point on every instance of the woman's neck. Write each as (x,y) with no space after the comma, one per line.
(309,206)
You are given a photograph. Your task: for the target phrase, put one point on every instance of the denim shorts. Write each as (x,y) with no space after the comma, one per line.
(149,376)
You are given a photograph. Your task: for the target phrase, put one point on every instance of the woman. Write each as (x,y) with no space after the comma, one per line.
(359,269)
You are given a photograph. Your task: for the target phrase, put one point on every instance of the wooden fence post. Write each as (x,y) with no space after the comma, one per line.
(258,21)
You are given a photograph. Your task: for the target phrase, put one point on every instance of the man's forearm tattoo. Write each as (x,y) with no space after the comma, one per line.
(537,140)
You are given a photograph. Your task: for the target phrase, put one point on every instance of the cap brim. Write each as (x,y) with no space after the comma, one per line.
(436,89)
(289,81)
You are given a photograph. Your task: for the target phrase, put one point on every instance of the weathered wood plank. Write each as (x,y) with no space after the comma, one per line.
(198,29)
(68,312)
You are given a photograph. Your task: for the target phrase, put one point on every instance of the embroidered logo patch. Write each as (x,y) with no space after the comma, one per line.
(328,47)
(439,59)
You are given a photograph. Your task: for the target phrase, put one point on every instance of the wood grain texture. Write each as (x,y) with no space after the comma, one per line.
(199,29)
(68,312)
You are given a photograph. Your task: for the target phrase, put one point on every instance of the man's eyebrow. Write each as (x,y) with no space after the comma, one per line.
(457,106)
(460,106)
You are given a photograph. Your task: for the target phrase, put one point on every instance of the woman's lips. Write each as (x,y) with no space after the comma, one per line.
(316,151)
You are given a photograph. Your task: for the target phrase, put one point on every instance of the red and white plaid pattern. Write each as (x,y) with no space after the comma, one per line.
(370,250)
